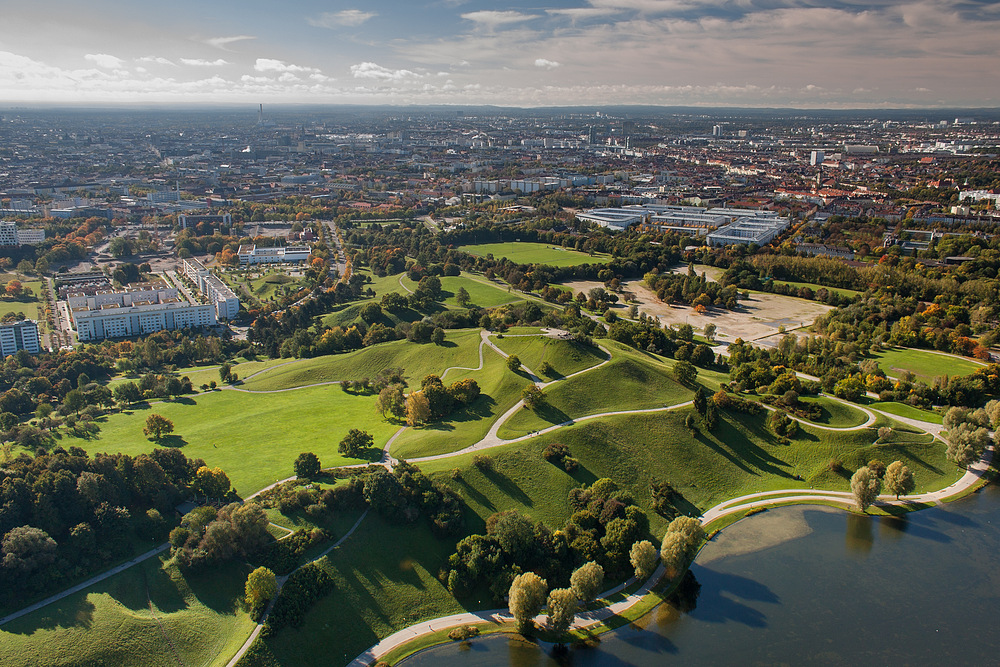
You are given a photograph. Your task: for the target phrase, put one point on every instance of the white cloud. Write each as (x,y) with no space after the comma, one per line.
(547,64)
(104,60)
(201,62)
(345,18)
(224,42)
(489,18)
(157,60)
(271,65)
(369,70)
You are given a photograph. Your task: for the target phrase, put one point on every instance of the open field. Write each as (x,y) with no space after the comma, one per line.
(27,304)
(253,437)
(535,253)
(907,411)
(924,364)
(195,623)
(814,287)
(565,356)
(482,292)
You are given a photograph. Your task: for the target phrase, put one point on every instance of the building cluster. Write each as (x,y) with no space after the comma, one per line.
(12,235)
(218,293)
(19,335)
(135,310)
(251,254)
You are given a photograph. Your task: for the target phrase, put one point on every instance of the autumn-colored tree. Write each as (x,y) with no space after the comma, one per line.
(157,426)
(418,409)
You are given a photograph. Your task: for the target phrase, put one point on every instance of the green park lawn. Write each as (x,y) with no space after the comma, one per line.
(461,348)
(565,356)
(253,437)
(27,304)
(535,253)
(925,365)
(814,287)
(630,381)
(196,621)
(835,413)
(908,411)
(482,292)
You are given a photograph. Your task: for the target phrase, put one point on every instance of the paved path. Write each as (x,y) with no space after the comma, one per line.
(87,584)
(871,416)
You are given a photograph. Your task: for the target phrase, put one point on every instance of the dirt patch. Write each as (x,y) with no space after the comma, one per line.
(763,531)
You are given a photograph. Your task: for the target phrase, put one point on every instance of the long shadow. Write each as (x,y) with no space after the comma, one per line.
(714,607)
(185,400)
(551,414)
(75,611)
(477,495)
(447,343)
(508,487)
(172,441)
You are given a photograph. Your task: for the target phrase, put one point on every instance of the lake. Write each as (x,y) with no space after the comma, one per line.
(811,585)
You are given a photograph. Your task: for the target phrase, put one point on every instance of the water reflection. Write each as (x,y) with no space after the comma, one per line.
(837,595)
(859,537)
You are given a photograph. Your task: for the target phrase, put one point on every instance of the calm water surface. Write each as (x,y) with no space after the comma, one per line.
(800,585)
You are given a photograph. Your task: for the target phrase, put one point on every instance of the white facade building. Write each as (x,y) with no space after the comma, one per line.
(21,335)
(227,304)
(251,254)
(10,235)
(135,311)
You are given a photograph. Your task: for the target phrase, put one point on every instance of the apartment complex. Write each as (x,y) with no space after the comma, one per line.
(222,298)
(10,235)
(251,254)
(21,335)
(134,311)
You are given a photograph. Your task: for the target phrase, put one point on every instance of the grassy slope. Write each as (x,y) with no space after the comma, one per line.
(835,413)
(253,437)
(418,360)
(629,381)
(565,357)
(925,365)
(908,411)
(111,623)
(500,388)
(814,287)
(535,253)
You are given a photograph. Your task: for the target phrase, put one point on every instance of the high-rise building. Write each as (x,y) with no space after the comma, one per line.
(716,130)
(16,336)
(816,158)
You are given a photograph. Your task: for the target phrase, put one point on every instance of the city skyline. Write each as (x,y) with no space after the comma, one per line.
(795,53)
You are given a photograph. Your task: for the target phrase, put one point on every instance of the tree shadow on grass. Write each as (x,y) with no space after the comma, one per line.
(171,441)
(478,496)
(508,487)
(745,453)
(551,414)
(76,611)
(186,400)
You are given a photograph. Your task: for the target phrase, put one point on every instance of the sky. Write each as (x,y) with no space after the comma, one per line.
(748,53)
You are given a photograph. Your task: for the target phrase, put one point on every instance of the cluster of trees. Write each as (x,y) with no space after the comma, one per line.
(692,289)
(605,524)
(969,432)
(432,402)
(405,494)
(208,536)
(867,482)
(64,514)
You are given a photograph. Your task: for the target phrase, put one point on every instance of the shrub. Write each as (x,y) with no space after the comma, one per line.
(299,593)
(484,462)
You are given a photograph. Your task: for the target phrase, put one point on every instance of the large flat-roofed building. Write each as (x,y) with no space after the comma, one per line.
(11,235)
(615,218)
(227,304)
(134,311)
(759,230)
(185,220)
(251,254)
(15,336)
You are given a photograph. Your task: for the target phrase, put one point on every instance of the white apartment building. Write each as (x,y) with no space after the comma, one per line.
(21,335)
(225,301)
(134,311)
(251,254)
(10,235)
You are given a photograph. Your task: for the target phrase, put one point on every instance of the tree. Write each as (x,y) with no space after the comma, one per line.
(157,426)
(865,486)
(210,482)
(710,330)
(127,393)
(685,372)
(261,586)
(673,552)
(700,401)
(26,549)
(307,465)
(392,400)
(562,607)
(527,597)
(587,580)
(75,401)
(418,409)
(513,363)
(355,442)
(643,557)
(532,396)
(691,529)
(898,479)
(462,297)
(437,336)
(371,312)
(225,373)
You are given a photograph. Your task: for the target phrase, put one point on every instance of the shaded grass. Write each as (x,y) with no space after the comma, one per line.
(834,413)
(535,253)
(111,623)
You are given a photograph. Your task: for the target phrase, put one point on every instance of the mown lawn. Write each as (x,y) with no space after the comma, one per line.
(482,292)
(925,365)
(566,357)
(815,288)
(908,411)
(629,381)
(461,348)
(27,304)
(112,624)
(253,437)
(535,253)
(834,413)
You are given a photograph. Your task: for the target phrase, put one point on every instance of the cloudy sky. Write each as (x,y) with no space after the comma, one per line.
(801,53)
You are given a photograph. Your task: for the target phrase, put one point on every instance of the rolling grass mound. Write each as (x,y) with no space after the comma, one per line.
(565,356)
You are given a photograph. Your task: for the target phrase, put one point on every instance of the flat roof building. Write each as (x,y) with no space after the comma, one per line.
(749,230)
(251,254)
(219,294)
(15,336)
(134,311)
